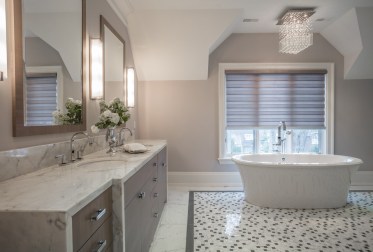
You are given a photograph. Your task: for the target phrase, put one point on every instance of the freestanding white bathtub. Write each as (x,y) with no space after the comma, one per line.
(296,180)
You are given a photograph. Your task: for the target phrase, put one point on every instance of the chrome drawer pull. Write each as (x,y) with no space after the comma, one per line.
(155,179)
(141,195)
(163,164)
(154,164)
(101,246)
(99,214)
(155,195)
(156,215)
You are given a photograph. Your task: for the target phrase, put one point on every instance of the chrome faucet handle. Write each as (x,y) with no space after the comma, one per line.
(91,140)
(61,158)
(73,159)
(122,139)
(79,154)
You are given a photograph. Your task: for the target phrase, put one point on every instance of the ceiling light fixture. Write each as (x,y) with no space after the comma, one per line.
(295,30)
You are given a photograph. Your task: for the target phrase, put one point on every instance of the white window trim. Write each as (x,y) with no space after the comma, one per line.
(51,69)
(329,103)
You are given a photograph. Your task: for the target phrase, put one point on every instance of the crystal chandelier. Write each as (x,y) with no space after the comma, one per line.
(295,30)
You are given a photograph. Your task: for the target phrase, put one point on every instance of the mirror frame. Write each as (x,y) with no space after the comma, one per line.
(103,23)
(19,128)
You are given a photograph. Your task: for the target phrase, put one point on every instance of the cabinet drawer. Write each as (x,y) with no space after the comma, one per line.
(132,187)
(90,218)
(135,221)
(162,159)
(162,166)
(101,240)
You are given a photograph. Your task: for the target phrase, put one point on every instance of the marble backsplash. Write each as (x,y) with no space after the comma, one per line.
(21,161)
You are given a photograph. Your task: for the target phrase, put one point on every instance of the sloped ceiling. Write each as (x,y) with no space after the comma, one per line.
(352,36)
(175,45)
(172,39)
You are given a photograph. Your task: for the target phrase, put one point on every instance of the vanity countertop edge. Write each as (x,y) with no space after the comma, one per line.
(69,188)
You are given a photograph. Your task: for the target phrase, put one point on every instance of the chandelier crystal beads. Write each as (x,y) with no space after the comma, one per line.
(295,31)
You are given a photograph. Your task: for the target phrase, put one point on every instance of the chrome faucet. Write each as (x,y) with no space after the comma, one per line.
(281,140)
(283,126)
(72,150)
(121,139)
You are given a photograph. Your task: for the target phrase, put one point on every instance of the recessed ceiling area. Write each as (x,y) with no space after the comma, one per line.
(172,39)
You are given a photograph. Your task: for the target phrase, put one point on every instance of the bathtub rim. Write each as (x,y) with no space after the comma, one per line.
(237,159)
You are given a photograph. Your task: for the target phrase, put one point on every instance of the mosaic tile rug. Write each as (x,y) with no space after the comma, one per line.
(223,221)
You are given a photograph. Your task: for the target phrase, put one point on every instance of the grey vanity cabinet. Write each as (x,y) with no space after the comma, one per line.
(162,176)
(92,225)
(145,195)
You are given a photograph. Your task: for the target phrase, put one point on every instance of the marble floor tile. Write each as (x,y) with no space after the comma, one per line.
(178,196)
(171,232)
(169,237)
(175,214)
(224,222)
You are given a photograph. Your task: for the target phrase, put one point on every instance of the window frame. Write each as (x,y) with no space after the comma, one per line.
(329,102)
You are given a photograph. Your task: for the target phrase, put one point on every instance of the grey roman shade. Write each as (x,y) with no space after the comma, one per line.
(263,99)
(41,98)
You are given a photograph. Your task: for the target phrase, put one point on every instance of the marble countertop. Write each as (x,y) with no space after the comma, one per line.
(68,188)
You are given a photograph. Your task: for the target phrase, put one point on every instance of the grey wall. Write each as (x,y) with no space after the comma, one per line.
(94,9)
(186,112)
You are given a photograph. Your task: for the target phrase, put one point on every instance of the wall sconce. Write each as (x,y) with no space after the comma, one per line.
(96,69)
(130,87)
(3,44)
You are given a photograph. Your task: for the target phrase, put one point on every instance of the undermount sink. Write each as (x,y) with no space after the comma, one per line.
(101,161)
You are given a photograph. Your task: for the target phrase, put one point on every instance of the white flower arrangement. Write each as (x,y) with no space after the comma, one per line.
(111,115)
(73,114)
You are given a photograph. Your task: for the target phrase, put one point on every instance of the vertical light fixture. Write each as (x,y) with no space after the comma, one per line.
(295,30)
(130,87)
(96,69)
(3,44)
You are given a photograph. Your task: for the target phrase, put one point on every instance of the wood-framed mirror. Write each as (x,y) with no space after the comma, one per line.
(114,61)
(50,66)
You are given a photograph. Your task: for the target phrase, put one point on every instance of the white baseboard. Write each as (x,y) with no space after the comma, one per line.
(361,180)
(219,179)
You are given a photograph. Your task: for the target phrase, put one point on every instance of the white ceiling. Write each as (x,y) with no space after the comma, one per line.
(172,39)
(267,11)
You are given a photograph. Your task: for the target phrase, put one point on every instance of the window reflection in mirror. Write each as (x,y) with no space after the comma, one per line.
(52,36)
(114,62)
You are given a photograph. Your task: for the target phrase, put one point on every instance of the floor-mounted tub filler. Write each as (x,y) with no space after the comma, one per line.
(296,180)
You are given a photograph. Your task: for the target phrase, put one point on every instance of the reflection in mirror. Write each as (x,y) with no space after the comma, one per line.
(49,47)
(52,43)
(114,62)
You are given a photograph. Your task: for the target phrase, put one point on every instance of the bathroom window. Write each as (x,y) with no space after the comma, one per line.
(254,98)
(262,140)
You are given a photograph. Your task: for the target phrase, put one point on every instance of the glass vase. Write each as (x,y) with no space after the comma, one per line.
(111,139)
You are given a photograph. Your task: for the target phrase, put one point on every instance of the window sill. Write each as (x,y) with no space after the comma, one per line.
(225,161)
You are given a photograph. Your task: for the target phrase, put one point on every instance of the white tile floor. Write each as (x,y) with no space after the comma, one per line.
(171,232)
